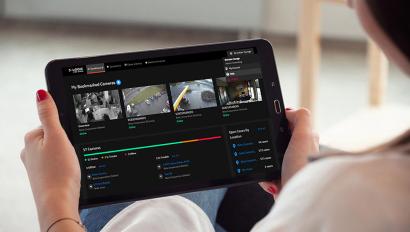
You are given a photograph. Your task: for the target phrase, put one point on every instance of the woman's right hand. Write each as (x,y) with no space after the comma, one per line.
(304,142)
(52,167)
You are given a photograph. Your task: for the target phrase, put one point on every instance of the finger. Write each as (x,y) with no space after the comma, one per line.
(47,112)
(272,187)
(33,135)
(299,121)
(290,115)
(23,156)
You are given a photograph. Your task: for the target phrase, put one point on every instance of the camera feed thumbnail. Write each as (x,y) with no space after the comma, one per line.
(233,91)
(191,95)
(146,100)
(97,106)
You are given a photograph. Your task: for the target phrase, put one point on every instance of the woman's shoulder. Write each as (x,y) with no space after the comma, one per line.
(359,174)
(374,164)
(346,193)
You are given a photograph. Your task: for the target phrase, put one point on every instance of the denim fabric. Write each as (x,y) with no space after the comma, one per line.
(96,218)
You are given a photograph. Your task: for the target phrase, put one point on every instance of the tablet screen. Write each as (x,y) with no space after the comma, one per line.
(157,126)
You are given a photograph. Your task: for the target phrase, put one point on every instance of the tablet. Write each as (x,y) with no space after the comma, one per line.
(161,122)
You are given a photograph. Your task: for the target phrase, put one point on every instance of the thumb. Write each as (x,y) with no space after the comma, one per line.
(47,112)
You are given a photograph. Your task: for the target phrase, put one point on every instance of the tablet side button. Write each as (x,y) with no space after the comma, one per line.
(276,103)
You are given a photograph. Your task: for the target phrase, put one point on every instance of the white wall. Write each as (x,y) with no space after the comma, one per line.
(277,16)
(198,13)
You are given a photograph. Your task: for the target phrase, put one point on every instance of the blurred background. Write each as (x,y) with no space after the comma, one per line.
(356,97)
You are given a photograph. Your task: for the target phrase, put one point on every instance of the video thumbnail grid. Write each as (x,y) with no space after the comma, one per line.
(154,99)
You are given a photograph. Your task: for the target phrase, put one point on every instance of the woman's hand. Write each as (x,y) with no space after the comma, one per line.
(304,142)
(52,166)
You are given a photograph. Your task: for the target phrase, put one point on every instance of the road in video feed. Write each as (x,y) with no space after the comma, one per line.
(191,95)
(97,106)
(233,91)
(146,100)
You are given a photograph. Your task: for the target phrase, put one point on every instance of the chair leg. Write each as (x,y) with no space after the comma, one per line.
(378,71)
(309,52)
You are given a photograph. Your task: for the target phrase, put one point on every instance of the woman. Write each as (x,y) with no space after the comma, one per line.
(343,193)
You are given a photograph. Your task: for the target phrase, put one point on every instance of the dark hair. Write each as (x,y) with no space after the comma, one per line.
(393,17)
(106,117)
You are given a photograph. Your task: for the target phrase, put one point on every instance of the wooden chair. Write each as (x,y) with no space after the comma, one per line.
(370,126)
(309,57)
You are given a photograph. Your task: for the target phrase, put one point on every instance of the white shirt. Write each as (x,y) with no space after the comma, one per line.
(366,193)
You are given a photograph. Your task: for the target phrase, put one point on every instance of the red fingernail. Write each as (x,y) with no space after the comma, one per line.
(41,95)
(288,108)
(273,189)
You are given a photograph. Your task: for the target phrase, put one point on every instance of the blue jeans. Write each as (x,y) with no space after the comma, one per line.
(96,218)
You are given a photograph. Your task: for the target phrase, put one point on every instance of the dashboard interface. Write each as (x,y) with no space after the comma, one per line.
(152,127)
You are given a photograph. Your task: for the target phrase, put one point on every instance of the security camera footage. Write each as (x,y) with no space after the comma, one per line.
(190,95)
(97,106)
(144,128)
(146,100)
(234,91)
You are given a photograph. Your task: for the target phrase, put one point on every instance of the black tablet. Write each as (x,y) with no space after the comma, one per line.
(161,122)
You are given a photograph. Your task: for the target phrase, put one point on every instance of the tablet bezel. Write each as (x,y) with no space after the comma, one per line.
(55,85)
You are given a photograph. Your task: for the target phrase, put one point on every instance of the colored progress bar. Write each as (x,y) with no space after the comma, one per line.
(153,145)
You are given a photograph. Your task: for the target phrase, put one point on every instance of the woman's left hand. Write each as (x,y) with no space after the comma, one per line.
(304,142)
